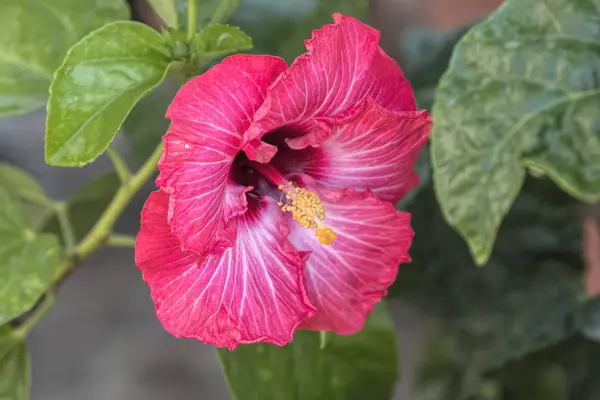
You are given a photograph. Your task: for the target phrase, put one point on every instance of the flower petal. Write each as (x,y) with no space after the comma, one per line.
(252,292)
(208,118)
(343,66)
(347,278)
(374,149)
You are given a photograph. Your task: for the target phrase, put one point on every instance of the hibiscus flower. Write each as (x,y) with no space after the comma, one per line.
(277,185)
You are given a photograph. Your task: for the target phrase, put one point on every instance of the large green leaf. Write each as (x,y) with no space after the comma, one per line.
(360,366)
(280,27)
(522,90)
(87,204)
(36,35)
(28,260)
(101,79)
(14,366)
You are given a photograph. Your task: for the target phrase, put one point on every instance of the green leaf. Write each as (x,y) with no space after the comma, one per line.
(28,260)
(359,366)
(280,27)
(101,79)
(216,41)
(166,10)
(36,35)
(14,366)
(21,184)
(522,90)
(87,204)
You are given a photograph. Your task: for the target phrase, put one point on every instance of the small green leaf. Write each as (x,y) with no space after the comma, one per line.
(28,260)
(216,41)
(360,366)
(522,90)
(36,203)
(22,184)
(87,204)
(101,79)
(36,35)
(166,10)
(14,366)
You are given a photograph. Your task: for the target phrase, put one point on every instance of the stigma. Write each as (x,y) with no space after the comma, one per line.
(307,211)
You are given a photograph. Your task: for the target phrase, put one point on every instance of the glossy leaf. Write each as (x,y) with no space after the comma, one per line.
(28,260)
(36,35)
(101,79)
(87,204)
(166,10)
(522,90)
(219,40)
(359,366)
(14,366)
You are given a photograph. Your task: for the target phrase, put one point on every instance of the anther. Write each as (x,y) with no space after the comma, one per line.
(307,210)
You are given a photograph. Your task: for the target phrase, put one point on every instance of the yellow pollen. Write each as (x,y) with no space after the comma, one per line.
(307,211)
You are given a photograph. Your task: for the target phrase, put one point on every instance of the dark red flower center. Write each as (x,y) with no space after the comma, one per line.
(268,180)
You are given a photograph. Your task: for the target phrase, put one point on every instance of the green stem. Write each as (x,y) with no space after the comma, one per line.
(192,15)
(117,240)
(42,308)
(66,228)
(100,233)
(120,166)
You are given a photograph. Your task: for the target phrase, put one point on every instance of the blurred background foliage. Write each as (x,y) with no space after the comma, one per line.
(522,327)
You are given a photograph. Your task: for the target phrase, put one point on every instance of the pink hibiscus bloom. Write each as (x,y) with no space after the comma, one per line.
(277,185)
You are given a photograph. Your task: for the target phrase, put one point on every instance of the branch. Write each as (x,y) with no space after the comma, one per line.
(95,239)
(117,240)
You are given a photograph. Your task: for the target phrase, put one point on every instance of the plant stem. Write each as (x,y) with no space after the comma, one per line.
(117,240)
(100,233)
(38,312)
(66,228)
(192,15)
(120,166)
